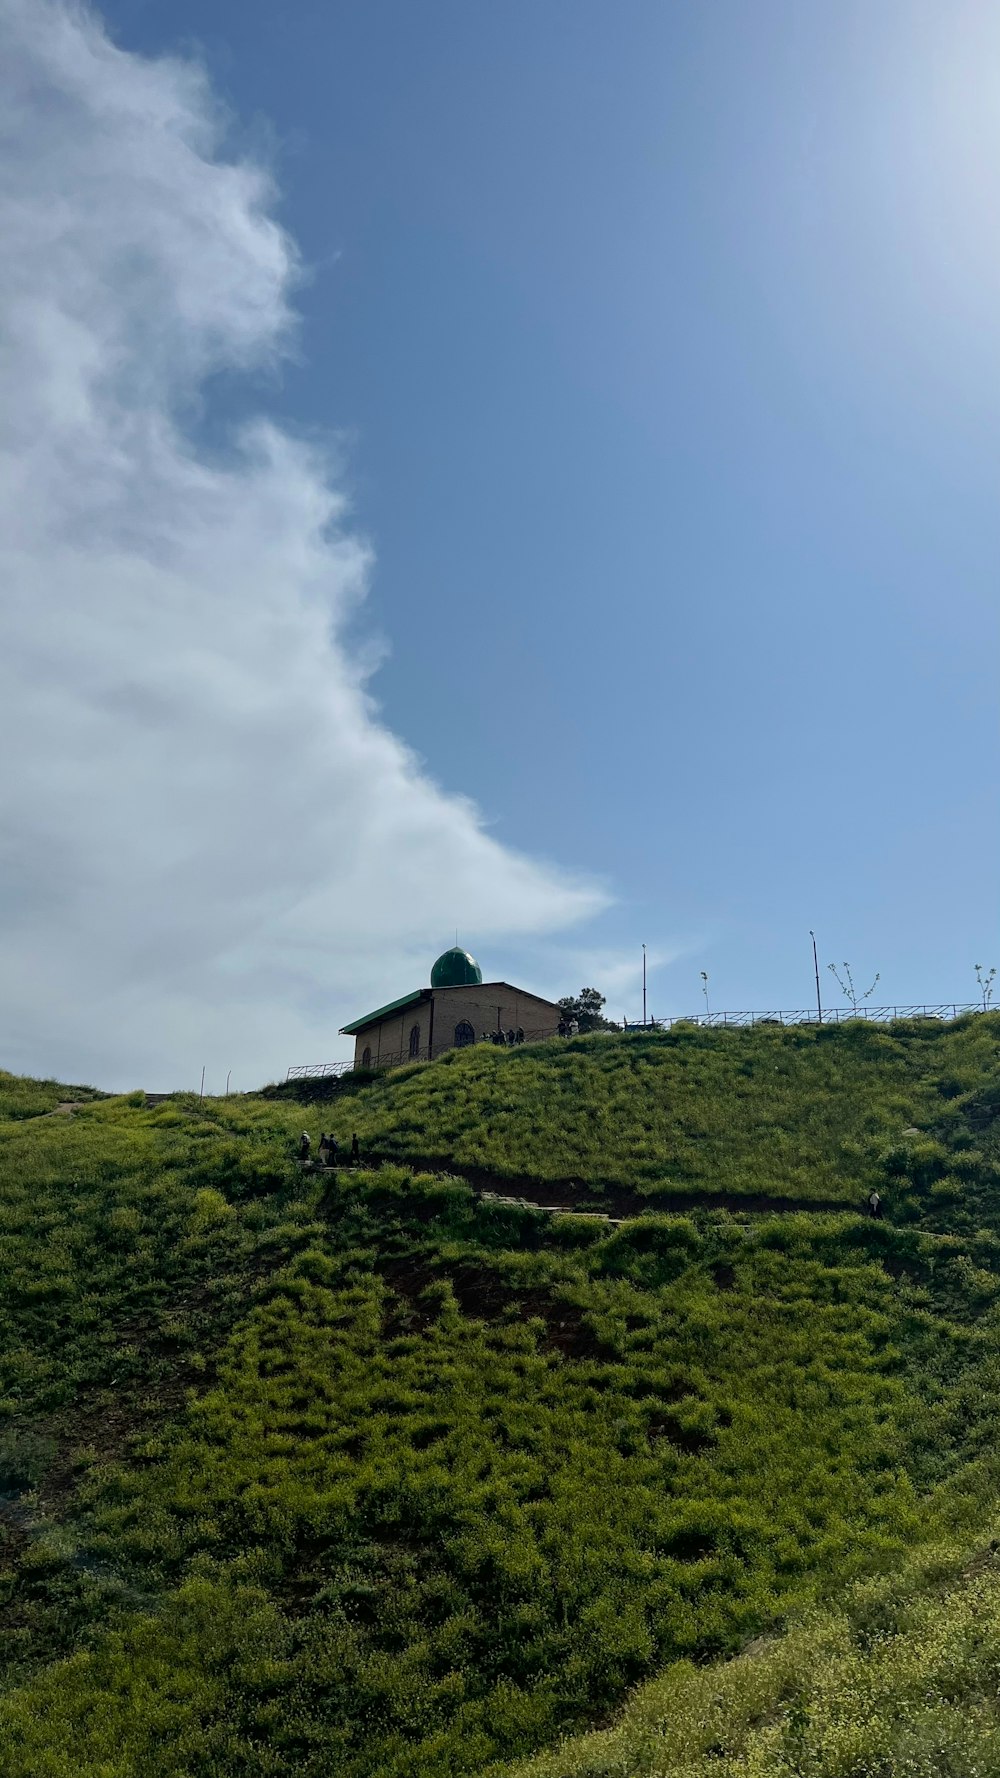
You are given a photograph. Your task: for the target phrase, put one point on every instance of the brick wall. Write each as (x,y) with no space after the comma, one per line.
(478,1007)
(389,1041)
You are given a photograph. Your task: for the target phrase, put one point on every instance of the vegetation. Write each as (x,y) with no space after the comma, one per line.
(27,1098)
(587,1008)
(845,983)
(808,1114)
(901,1679)
(376,1474)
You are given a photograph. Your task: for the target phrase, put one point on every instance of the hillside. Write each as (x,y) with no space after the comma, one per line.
(373,1473)
(769,1117)
(899,1679)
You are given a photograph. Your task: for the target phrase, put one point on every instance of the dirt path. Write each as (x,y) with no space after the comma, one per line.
(614,1203)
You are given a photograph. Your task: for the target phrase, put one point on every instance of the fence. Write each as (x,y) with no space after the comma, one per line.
(833,1015)
(397,1058)
(318,1070)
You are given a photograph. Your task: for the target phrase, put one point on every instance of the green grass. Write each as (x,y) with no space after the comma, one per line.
(803,1113)
(21,1097)
(899,1681)
(367,1475)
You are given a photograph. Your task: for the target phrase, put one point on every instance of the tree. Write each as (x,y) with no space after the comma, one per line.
(586,1009)
(985,985)
(847,987)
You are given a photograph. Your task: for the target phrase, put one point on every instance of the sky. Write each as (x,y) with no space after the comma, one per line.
(524,471)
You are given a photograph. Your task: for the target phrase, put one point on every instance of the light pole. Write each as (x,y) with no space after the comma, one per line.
(229,1077)
(819,1003)
(644,987)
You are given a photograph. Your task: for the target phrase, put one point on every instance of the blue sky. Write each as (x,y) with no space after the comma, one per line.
(669,404)
(660,347)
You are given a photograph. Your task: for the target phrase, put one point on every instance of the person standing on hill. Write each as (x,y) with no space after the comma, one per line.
(875,1205)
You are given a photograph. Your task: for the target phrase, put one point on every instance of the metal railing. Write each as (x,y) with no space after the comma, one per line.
(832,1015)
(318,1070)
(398,1058)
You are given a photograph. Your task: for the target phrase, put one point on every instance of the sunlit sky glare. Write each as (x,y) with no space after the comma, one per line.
(657,352)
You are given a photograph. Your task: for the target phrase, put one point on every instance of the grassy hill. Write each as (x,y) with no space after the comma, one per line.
(797,1116)
(375,1474)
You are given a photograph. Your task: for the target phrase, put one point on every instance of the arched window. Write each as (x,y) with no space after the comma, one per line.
(415,1041)
(366,1058)
(464,1034)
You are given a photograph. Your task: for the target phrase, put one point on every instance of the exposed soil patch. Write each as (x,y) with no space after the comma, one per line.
(480,1292)
(483,1295)
(724,1275)
(567,1329)
(896,1266)
(904,1265)
(15,1528)
(677,1390)
(691,1545)
(689,1440)
(407,1280)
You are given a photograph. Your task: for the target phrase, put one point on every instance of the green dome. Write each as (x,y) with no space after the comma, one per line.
(455,969)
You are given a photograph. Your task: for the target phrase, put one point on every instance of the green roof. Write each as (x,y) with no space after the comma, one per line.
(372,1018)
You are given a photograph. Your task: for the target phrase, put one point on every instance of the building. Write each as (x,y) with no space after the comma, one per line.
(457,1009)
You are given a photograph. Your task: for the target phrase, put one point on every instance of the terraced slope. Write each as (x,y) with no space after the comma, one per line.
(808,1115)
(371,1473)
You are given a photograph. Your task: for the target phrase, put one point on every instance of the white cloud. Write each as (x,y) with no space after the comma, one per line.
(211,849)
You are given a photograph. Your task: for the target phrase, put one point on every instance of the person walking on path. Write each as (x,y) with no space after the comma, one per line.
(332,1150)
(305,1146)
(875,1205)
(355,1150)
